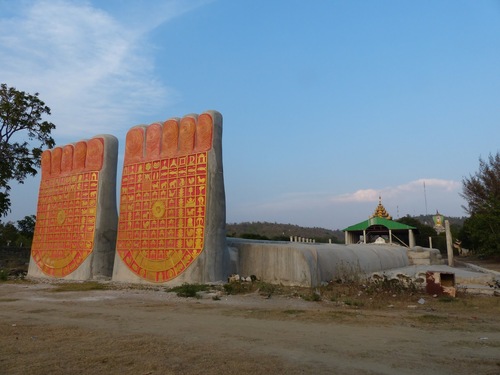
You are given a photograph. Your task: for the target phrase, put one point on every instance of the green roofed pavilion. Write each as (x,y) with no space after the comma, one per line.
(380,229)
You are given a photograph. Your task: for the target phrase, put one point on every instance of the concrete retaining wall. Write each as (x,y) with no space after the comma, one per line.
(303,264)
(424,256)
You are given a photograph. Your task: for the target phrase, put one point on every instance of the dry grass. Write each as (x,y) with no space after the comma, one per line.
(80,287)
(338,301)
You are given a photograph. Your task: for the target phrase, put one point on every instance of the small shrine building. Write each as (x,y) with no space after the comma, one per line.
(380,229)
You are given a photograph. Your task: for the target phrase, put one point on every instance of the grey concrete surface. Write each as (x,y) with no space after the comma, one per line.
(303,264)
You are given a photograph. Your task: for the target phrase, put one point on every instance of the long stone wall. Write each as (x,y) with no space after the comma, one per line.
(303,264)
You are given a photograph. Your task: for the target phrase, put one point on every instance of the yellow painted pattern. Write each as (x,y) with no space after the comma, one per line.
(162,215)
(65,226)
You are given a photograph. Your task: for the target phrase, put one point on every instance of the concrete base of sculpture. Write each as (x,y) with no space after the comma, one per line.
(309,265)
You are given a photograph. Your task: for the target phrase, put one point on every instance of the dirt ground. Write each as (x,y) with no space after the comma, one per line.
(492,263)
(131,330)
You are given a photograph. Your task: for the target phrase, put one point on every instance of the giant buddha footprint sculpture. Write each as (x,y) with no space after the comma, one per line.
(172,203)
(75,232)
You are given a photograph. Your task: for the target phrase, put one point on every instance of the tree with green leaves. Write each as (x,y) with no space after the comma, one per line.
(8,234)
(19,234)
(21,125)
(481,191)
(26,226)
(425,231)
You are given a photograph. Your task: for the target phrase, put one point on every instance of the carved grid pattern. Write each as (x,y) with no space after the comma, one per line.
(66,215)
(162,215)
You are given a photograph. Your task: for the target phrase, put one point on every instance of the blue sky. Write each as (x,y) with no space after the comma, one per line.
(327,105)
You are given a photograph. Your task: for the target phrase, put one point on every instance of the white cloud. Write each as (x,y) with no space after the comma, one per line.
(411,191)
(403,191)
(339,211)
(446,185)
(366,195)
(92,65)
(92,70)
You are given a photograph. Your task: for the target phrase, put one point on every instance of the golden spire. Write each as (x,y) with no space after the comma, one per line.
(380,211)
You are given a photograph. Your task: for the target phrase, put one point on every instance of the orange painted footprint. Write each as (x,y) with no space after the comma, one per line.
(172,202)
(70,209)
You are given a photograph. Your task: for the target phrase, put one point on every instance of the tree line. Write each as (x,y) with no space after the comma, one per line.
(18,234)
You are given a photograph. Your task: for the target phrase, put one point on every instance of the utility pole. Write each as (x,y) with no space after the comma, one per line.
(425,197)
(449,246)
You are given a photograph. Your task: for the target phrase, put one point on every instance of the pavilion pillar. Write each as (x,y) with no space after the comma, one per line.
(390,236)
(411,238)
(364,236)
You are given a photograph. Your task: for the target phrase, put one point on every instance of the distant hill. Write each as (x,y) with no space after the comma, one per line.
(281,232)
(262,230)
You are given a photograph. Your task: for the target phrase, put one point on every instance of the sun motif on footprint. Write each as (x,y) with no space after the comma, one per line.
(163,196)
(158,209)
(67,206)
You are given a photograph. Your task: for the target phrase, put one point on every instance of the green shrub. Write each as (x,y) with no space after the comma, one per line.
(80,287)
(353,303)
(189,290)
(238,287)
(266,288)
(313,296)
